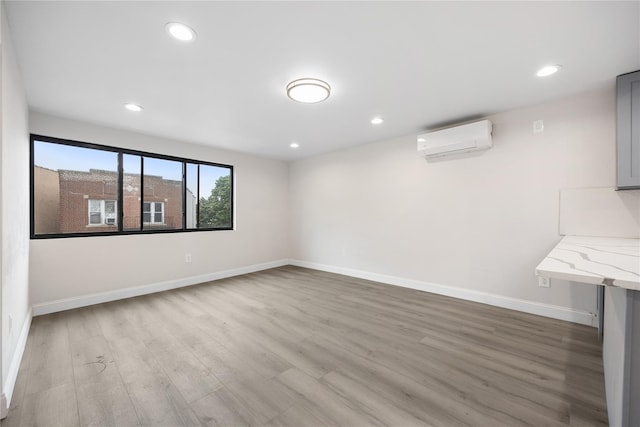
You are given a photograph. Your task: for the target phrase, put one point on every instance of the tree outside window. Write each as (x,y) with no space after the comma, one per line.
(215,211)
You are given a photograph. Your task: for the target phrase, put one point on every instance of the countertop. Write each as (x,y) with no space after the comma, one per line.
(595,260)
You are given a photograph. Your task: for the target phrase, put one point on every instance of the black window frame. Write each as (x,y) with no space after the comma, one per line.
(119,200)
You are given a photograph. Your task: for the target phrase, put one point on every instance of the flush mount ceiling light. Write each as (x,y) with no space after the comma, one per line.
(294,145)
(180,31)
(376,120)
(547,70)
(133,107)
(308,91)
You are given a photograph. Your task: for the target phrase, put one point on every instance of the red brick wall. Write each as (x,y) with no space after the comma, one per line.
(47,200)
(77,188)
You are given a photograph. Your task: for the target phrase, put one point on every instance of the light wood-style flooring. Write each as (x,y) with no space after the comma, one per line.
(297,347)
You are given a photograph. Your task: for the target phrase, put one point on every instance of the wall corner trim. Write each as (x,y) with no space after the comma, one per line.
(12,373)
(99,298)
(540,309)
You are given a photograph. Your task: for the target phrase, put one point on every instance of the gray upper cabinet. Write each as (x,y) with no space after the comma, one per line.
(628,131)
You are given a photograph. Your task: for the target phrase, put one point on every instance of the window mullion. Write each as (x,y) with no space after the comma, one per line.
(184,195)
(141,193)
(120,195)
(198,199)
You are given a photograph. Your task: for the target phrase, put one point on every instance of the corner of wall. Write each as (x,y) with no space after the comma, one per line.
(14,216)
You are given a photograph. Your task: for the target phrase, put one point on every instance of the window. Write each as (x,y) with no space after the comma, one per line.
(131,179)
(82,189)
(209,196)
(191,196)
(102,212)
(153,213)
(163,193)
(215,197)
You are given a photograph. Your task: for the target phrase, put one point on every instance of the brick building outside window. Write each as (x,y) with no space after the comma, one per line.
(88,201)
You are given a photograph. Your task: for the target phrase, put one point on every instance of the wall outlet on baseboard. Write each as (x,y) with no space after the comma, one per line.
(544,282)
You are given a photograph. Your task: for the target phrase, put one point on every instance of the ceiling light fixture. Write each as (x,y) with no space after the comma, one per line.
(376,120)
(180,32)
(133,107)
(547,70)
(294,145)
(308,91)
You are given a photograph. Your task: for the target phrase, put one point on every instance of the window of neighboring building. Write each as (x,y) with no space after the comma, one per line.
(102,212)
(153,213)
(82,189)
(163,193)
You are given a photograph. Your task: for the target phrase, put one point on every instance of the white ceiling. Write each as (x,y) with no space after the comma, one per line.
(419,65)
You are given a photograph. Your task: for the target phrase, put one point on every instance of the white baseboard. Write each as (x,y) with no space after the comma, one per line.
(4,408)
(14,367)
(98,298)
(546,310)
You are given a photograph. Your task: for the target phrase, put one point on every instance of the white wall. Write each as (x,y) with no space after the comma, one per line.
(73,268)
(479,223)
(14,213)
(600,212)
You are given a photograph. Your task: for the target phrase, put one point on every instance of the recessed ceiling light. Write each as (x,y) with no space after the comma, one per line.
(294,145)
(547,70)
(180,31)
(308,91)
(376,120)
(133,107)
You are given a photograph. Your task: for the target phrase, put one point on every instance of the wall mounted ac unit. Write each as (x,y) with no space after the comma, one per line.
(455,140)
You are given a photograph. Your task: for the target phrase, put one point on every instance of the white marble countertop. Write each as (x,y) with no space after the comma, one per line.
(595,260)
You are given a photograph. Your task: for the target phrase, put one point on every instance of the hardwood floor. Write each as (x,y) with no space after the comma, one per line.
(297,347)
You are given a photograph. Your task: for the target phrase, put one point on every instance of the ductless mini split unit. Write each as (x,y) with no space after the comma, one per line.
(455,140)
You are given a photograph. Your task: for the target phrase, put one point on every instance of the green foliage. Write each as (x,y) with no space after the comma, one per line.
(215,211)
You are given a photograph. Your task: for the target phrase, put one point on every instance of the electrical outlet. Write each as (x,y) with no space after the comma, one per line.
(187,257)
(538,126)
(544,282)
